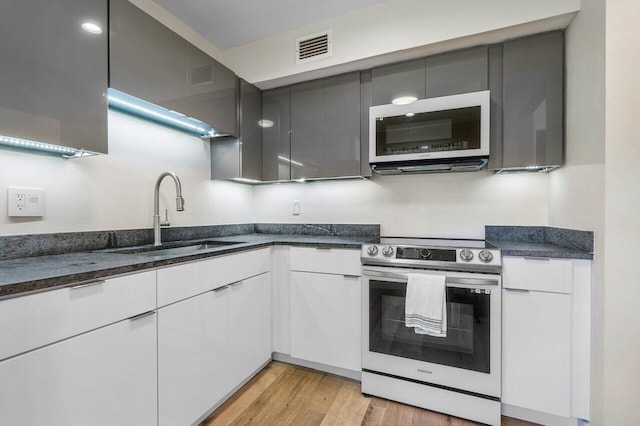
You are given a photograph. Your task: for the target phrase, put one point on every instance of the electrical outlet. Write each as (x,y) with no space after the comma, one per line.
(296,207)
(25,202)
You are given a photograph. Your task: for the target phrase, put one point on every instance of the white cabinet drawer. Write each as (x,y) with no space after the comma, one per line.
(39,319)
(328,261)
(180,282)
(102,378)
(537,274)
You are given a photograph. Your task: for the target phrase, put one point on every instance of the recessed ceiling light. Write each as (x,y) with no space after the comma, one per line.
(265,123)
(92,28)
(404,100)
(410,114)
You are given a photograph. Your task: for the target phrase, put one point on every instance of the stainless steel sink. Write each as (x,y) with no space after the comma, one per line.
(172,248)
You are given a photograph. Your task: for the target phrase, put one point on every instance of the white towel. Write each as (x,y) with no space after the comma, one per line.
(426,304)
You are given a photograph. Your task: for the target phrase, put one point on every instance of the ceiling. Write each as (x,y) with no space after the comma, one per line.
(230,23)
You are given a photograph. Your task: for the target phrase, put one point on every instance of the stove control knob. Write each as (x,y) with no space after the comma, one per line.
(387,251)
(485,256)
(425,253)
(372,250)
(466,255)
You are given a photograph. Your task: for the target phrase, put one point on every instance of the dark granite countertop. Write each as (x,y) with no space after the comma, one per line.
(25,275)
(541,241)
(515,248)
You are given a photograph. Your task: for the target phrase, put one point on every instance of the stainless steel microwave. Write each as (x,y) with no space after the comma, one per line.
(449,133)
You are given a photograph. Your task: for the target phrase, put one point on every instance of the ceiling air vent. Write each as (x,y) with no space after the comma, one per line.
(313,47)
(201,75)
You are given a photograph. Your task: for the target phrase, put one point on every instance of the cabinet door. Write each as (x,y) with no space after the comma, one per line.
(341,140)
(533,71)
(403,79)
(193,356)
(325,128)
(462,71)
(250,131)
(105,377)
(147,59)
(536,351)
(276,143)
(54,75)
(212,91)
(250,327)
(325,319)
(307,121)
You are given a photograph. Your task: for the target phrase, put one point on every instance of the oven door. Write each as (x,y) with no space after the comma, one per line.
(468,358)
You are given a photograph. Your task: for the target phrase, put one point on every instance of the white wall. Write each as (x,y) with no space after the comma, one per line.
(392,26)
(430,205)
(622,217)
(115,191)
(577,190)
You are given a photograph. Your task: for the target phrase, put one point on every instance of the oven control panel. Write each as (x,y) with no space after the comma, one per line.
(421,256)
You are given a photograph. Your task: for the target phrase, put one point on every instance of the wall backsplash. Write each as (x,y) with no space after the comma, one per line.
(438,205)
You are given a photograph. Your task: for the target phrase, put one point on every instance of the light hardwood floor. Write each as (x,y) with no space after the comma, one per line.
(284,394)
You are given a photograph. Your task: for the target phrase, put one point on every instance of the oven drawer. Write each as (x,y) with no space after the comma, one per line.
(328,261)
(537,274)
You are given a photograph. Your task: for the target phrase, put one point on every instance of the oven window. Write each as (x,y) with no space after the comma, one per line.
(466,345)
(450,130)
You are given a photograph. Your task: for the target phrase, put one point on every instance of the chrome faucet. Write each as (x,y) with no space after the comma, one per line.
(156,205)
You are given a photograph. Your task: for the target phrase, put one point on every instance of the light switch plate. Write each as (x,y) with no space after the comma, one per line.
(296,207)
(25,202)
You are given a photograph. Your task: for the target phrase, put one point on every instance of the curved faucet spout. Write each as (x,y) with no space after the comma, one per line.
(156,204)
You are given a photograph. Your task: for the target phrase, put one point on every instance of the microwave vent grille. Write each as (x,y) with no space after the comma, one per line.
(313,47)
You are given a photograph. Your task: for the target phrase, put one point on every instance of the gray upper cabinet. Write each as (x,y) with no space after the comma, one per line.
(533,107)
(403,79)
(276,142)
(151,62)
(250,131)
(325,128)
(241,157)
(148,60)
(53,74)
(212,91)
(461,71)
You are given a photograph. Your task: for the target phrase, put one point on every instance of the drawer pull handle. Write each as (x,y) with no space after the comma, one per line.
(143,315)
(219,289)
(538,259)
(351,276)
(85,285)
(235,284)
(323,248)
(517,290)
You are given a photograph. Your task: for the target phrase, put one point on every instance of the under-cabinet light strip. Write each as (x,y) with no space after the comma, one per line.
(42,146)
(135,106)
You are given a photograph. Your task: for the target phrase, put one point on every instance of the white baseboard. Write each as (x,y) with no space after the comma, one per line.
(350,374)
(538,416)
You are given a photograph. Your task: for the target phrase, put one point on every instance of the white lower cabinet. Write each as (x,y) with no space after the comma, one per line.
(249,326)
(104,377)
(193,342)
(209,344)
(325,319)
(546,339)
(536,351)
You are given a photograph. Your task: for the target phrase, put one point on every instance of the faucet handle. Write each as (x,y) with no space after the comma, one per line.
(165,222)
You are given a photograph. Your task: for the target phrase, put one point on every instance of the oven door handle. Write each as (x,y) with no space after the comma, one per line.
(448,280)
